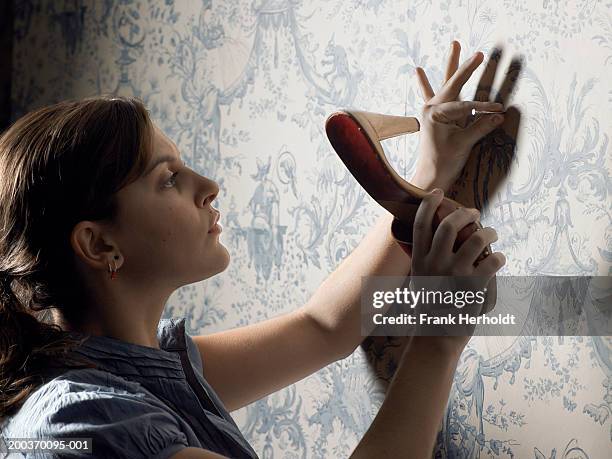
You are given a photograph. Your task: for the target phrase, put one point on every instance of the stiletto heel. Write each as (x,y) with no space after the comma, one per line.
(386,126)
(355,136)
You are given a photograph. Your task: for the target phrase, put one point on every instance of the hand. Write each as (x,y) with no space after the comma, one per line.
(432,254)
(447,137)
(490,161)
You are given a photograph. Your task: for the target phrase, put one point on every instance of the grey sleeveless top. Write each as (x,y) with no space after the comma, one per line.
(141,402)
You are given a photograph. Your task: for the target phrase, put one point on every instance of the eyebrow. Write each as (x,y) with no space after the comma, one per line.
(160,160)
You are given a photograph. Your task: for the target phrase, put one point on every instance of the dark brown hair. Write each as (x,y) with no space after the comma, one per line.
(59,165)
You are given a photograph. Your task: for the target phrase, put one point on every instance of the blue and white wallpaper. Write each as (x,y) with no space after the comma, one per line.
(244,86)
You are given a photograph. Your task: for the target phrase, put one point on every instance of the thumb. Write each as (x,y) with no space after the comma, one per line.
(478,129)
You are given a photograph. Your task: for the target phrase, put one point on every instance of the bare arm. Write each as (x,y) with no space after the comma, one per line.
(408,420)
(336,304)
(248,363)
(410,415)
(275,353)
(196,453)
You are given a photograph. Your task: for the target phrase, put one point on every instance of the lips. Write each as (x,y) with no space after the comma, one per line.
(215,220)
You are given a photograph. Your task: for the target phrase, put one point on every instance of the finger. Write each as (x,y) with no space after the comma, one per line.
(503,96)
(511,124)
(426,90)
(490,265)
(453,60)
(485,124)
(483,90)
(471,249)
(422,224)
(459,110)
(446,233)
(452,88)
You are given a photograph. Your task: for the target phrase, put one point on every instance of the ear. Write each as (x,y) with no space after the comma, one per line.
(93,245)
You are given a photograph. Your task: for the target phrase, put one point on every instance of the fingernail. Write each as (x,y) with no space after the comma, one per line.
(497,119)
(437,191)
(475,212)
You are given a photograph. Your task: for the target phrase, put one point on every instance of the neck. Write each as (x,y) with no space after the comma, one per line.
(124,327)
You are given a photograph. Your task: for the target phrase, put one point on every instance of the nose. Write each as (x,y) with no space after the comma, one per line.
(208,192)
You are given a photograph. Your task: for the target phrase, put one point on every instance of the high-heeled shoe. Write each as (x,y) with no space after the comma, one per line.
(356,136)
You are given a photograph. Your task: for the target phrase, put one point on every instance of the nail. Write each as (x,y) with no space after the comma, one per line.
(437,191)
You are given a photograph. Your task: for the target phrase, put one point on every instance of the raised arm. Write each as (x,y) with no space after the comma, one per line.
(248,363)
(408,420)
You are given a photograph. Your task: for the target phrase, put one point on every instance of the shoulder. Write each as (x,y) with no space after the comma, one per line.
(113,412)
(173,336)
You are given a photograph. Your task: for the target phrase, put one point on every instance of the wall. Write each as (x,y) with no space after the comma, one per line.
(244,86)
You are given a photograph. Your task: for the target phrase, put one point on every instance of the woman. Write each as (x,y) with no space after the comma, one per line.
(102,221)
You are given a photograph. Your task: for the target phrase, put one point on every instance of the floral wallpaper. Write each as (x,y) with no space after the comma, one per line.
(244,87)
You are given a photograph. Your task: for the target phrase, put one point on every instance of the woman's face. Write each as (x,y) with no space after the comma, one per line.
(164,221)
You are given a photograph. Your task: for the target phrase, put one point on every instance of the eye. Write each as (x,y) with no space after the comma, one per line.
(171,180)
